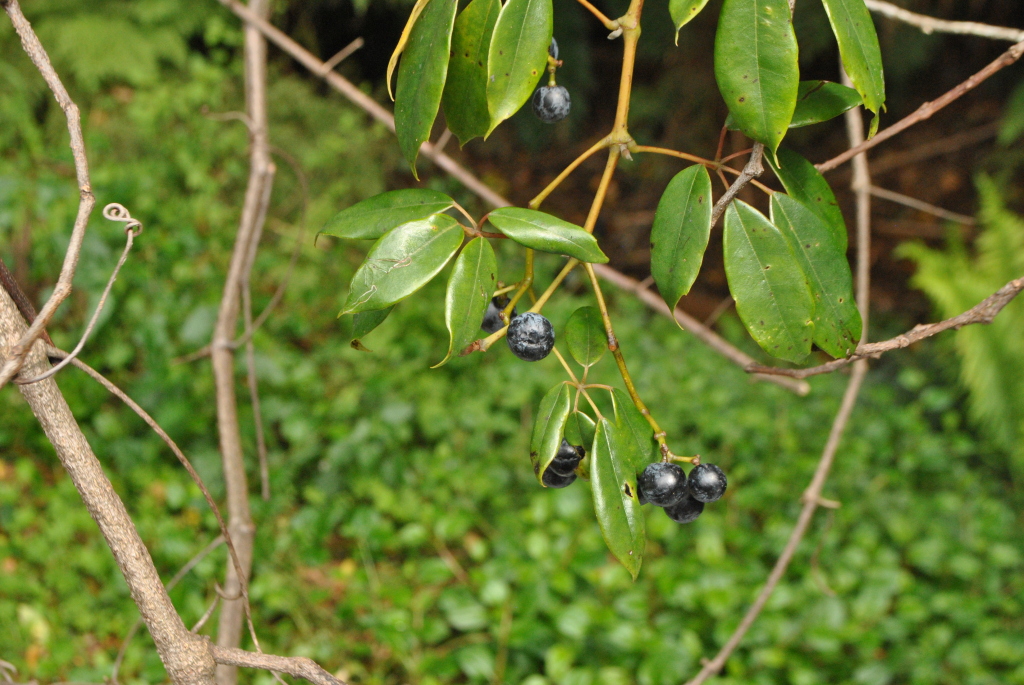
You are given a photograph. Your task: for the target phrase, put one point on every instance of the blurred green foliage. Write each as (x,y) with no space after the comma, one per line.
(406,540)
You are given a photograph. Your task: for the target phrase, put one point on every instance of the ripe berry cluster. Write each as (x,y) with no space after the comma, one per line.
(531,337)
(562,469)
(683,498)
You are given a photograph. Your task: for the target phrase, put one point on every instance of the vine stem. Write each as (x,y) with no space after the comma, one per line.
(710,164)
(542,195)
(609,24)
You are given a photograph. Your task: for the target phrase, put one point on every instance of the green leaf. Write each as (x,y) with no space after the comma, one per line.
(403,40)
(756,67)
(547,233)
(615,500)
(363,323)
(819,101)
(402,261)
(683,11)
(465,92)
(421,77)
(469,291)
(805,183)
(636,433)
(858,46)
(579,429)
(679,236)
(548,428)
(770,288)
(377,215)
(585,336)
(837,323)
(517,57)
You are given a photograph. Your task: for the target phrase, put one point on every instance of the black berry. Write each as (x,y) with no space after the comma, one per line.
(530,337)
(685,510)
(553,48)
(553,480)
(492,322)
(662,484)
(567,458)
(551,103)
(706,483)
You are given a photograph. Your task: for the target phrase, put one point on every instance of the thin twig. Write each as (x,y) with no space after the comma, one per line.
(932,25)
(926,110)
(343,54)
(34,49)
(113,212)
(922,206)
(982,313)
(209,611)
(298,666)
(934,148)
(24,305)
(752,170)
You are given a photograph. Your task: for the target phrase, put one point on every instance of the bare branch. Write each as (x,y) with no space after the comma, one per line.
(982,313)
(922,206)
(34,49)
(753,169)
(926,110)
(298,666)
(932,25)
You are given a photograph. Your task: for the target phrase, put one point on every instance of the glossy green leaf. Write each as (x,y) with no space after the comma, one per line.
(770,289)
(683,11)
(469,291)
(547,233)
(637,435)
(615,499)
(403,40)
(465,91)
(579,429)
(819,101)
(756,67)
(402,261)
(679,236)
(585,336)
(363,323)
(549,428)
(377,215)
(421,77)
(837,323)
(805,183)
(858,47)
(518,56)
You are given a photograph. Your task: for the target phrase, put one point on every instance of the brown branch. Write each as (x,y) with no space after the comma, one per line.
(34,49)
(25,308)
(298,666)
(752,170)
(481,190)
(931,24)
(922,206)
(982,313)
(185,656)
(926,110)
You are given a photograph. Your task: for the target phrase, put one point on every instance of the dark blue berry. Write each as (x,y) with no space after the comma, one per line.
(551,103)
(553,48)
(554,480)
(567,458)
(685,510)
(662,484)
(530,337)
(706,483)
(492,322)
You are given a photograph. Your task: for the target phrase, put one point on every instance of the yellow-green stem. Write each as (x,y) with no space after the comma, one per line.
(546,295)
(608,23)
(542,195)
(602,189)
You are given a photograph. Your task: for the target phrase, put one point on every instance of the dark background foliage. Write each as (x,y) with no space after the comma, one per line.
(406,539)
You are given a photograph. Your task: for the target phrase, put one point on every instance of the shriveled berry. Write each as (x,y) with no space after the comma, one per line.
(551,103)
(553,48)
(685,510)
(530,337)
(567,458)
(662,484)
(492,322)
(706,483)
(554,480)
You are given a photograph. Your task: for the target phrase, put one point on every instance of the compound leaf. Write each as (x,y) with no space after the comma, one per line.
(615,500)
(548,428)
(805,183)
(469,291)
(517,57)
(819,101)
(402,261)
(837,323)
(756,67)
(377,215)
(547,233)
(858,46)
(770,289)
(679,236)
(585,336)
(683,11)
(421,77)
(465,91)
